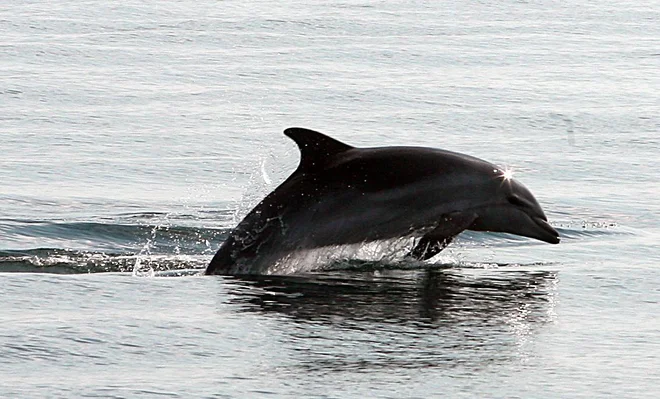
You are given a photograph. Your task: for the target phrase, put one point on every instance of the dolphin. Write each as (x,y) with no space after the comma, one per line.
(341,194)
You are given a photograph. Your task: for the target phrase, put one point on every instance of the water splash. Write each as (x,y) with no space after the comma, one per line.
(384,253)
(264,174)
(143,261)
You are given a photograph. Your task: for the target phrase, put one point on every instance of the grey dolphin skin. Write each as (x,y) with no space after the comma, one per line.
(346,195)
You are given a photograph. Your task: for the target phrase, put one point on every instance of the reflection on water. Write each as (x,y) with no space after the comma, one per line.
(426,297)
(392,319)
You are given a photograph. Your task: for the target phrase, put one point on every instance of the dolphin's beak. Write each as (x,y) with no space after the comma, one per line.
(546,232)
(513,220)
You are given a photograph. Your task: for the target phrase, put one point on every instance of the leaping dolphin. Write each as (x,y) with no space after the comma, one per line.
(341,194)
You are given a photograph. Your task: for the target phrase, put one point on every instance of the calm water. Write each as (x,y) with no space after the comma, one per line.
(134,136)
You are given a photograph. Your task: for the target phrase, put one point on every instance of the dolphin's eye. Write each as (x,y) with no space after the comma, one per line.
(517,201)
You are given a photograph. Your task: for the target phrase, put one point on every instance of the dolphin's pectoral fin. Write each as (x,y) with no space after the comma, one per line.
(428,247)
(439,238)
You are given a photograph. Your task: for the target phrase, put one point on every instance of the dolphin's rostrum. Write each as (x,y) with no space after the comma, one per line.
(341,194)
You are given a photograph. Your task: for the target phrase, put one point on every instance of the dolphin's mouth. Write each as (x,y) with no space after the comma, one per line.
(547,232)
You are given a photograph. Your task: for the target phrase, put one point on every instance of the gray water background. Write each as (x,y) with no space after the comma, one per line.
(133,135)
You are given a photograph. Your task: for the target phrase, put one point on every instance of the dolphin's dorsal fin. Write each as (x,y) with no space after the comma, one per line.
(316,149)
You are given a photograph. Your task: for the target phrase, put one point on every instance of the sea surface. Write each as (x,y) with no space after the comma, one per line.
(134,135)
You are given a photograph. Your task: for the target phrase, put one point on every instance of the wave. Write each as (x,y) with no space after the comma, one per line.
(154,242)
(63,261)
(567,231)
(109,236)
